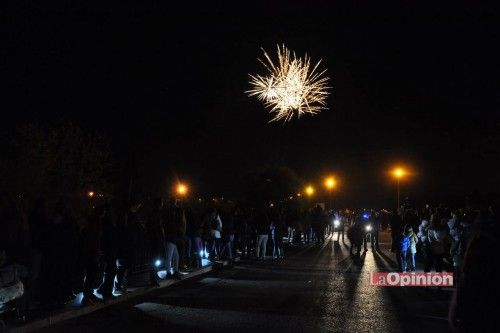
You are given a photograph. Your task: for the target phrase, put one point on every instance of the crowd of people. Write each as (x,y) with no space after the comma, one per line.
(49,253)
(438,235)
(56,254)
(462,241)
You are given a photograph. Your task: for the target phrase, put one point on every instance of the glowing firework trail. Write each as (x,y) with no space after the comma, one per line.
(291,87)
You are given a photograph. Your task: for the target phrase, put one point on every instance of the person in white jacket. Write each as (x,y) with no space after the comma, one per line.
(215,234)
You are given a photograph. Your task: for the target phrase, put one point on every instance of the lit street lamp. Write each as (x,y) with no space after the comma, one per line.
(399,173)
(330,184)
(309,191)
(181,189)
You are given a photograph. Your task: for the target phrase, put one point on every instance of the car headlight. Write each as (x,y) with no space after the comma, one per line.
(368,228)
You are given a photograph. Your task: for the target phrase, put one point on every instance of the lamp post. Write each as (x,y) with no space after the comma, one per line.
(330,184)
(398,173)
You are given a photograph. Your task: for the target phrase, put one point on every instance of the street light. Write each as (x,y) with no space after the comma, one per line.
(90,194)
(330,184)
(181,189)
(399,173)
(309,190)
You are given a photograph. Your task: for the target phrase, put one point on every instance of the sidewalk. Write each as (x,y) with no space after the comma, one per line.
(73,309)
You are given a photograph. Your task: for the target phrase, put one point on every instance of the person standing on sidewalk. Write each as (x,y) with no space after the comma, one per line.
(408,246)
(174,226)
(404,246)
(355,236)
(318,224)
(413,247)
(338,221)
(262,228)
(194,230)
(109,244)
(377,221)
(274,240)
(292,219)
(229,231)
(126,224)
(436,236)
(90,254)
(181,237)
(280,231)
(156,239)
(245,234)
(215,234)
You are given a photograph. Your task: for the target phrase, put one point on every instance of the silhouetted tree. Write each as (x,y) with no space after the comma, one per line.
(272,183)
(63,162)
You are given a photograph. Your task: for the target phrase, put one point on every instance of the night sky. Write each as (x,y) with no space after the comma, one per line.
(166,84)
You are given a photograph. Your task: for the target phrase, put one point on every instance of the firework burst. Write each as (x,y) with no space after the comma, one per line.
(291,87)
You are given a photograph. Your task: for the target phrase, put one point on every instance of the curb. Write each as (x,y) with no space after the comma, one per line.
(77,312)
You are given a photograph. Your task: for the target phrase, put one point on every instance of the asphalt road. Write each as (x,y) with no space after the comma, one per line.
(315,289)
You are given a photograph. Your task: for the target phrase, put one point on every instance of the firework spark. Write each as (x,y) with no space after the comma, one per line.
(291,87)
